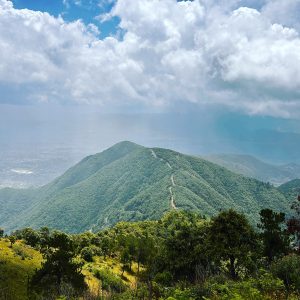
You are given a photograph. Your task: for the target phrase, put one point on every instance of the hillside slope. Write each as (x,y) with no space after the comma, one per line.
(131,182)
(291,189)
(250,166)
(18,264)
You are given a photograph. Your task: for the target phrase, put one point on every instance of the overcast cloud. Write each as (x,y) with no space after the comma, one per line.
(167,53)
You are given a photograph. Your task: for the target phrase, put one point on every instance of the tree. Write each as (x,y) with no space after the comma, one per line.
(275,239)
(125,259)
(83,240)
(31,237)
(293,224)
(87,254)
(232,239)
(12,240)
(107,242)
(128,248)
(150,258)
(184,237)
(59,266)
(1,232)
(44,234)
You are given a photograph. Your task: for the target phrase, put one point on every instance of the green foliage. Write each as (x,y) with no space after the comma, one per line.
(12,240)
(264,287)
(288,270)
(178,294)
(275,239)
(59,267)
(109,280)
(291,189)
(30,236)
(165,278)
(182,256)
(184,244)
(87,254)
(293,224)
(232,239)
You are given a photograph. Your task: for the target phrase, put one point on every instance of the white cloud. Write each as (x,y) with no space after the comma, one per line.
(206,52)
(283,12)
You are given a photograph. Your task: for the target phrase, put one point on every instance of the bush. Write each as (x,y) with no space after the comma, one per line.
(264,287)
(164,278)
(178,294)
(269,285)
(19,250)
(110,281)
(87,254)
(288,270)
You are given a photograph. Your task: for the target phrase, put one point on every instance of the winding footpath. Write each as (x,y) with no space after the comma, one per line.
(172,198)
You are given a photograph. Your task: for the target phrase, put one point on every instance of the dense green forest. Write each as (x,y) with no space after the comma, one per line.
(182,256)
(128,182)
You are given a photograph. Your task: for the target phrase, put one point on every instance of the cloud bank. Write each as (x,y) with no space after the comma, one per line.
(167,54)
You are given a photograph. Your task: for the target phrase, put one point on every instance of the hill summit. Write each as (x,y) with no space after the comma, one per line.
(131,182)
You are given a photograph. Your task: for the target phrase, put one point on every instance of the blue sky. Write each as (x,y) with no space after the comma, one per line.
(70,10)
(87,10)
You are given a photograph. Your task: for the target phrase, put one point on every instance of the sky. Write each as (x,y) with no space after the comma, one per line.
(202,76)
(151,55)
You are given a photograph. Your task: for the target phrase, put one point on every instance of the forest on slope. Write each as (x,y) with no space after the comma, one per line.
(128,182)
(253,167)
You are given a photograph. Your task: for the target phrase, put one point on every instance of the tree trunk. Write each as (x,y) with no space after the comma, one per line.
(149,283)
(232,267)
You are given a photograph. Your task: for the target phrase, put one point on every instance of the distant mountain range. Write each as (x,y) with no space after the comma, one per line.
(250,166)
(132,182)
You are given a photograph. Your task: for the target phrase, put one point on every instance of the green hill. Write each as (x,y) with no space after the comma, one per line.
(131,182)
(250,166)
(291,189)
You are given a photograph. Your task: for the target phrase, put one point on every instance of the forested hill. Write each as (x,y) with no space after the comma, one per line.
(291,189)
(130,182)
(250,166)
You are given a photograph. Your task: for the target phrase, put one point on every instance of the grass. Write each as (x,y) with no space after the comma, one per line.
(114,266)
(17,265)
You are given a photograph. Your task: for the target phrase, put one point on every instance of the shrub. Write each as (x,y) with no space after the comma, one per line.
(264,287)
(87,254)
(19,250)
(164,278)
(110,281)
(288,270)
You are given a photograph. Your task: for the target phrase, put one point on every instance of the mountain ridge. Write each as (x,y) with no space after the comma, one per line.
(130,182)
(251,166)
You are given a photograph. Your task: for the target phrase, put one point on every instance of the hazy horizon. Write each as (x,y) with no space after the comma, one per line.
(38,144)
(199,77)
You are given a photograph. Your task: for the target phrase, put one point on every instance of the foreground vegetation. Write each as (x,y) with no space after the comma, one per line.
(183,256)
